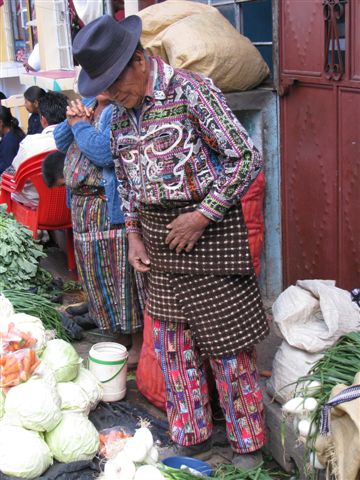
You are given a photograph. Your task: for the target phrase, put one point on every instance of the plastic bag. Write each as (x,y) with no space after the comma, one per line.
(112,440)
(17,367)
(13,339)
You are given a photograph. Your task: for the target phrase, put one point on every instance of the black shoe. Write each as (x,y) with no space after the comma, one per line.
(202,451)
(78,309)
(72,329)
(85,322)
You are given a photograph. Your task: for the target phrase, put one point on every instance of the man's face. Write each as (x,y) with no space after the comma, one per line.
(129,89)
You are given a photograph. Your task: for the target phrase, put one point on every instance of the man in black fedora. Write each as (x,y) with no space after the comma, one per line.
(183,161)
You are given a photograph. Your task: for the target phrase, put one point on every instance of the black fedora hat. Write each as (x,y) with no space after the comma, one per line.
(103,48)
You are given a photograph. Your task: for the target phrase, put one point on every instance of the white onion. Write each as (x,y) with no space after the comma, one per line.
(148,472)
(295,405)
(152,456)
(315,462)
(135,450)
(144,435)
(120,467)
(310,404)
(306,428)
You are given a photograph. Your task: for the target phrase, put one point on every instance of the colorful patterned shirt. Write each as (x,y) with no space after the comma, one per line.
(185,146)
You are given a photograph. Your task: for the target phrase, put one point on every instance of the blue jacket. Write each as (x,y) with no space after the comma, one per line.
(95,144)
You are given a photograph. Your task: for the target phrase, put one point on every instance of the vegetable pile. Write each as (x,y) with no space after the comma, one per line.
(339,365)
(136,458)
(43,390)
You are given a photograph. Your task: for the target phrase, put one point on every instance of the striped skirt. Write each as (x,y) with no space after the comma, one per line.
(116,293)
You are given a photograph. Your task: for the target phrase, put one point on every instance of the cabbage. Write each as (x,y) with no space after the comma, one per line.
(73,397)
(32,325)
(23,453)
(45,373)
(34,405)
(75,438)
(62,358)
(91,385)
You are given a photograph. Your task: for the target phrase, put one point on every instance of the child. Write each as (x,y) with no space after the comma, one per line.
(32,95)
(11,135)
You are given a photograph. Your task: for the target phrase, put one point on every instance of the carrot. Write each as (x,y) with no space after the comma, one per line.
(34,366)
(8,379)
(26,364)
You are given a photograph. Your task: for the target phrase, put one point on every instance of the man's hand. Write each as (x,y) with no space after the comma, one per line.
(77,112)
(137,255)
(186,230)
(28,67)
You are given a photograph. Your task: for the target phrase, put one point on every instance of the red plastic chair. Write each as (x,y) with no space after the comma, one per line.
(51,213)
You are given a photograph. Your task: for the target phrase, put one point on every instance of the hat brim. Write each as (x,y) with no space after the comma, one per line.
(90,87)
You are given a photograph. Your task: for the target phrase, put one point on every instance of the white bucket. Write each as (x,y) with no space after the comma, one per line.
(108,362)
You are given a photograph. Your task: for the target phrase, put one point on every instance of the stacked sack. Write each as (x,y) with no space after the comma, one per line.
(198,37)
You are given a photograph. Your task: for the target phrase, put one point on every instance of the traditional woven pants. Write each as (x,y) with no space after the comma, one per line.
(188,407)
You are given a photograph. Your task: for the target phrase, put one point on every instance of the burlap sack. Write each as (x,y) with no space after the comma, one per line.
(342,448)
(158,17)
(199,38)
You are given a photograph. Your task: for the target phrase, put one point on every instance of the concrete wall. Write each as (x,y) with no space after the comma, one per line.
(258,112)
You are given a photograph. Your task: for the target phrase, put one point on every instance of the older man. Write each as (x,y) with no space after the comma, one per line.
(183,161)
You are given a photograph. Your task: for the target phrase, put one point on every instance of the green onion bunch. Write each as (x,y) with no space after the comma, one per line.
(37,306)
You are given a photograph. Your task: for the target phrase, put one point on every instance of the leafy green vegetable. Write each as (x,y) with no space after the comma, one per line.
(19,254)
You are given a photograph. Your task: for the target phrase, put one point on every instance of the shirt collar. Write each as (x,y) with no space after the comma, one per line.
(49,129)
(159,79)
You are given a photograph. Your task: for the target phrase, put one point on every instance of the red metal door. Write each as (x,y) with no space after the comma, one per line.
(320,138)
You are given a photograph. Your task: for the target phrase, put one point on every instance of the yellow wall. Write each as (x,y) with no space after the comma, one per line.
(3,51)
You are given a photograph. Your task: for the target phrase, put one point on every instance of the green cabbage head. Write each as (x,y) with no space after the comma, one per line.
(75,438)
(23,453)
(62,358)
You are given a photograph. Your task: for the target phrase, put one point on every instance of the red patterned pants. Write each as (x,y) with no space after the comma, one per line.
(188,407)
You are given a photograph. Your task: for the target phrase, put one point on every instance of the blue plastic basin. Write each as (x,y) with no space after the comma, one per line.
(199,465)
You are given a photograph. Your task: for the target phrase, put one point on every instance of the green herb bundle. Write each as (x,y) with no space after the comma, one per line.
(37,306)
(19,254)
(225,472)
(339,365)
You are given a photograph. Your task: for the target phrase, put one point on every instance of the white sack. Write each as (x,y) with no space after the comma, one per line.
(314,314)
(289,365)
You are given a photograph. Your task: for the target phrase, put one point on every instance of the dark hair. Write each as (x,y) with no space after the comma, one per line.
(34,93)
(53,168)
(2,96)
(11,122)
(52,106)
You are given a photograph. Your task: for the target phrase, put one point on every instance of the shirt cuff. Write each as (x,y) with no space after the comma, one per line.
(133,225)
(214,207)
